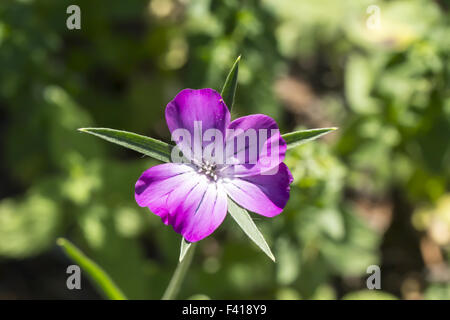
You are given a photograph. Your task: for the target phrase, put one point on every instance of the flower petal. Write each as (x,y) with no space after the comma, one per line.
(197,209)
(204,106)
(156,183)
(257,146)
(263,194)
(188,201)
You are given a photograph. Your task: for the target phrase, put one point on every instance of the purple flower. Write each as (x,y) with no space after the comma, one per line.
(192,196)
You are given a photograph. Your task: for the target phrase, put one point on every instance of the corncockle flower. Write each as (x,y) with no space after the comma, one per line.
(241,159)
(215,163)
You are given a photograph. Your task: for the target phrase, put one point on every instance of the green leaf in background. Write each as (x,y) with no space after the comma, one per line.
(296,138)
(28,224)
(359,80)
(151,147)
(229,88)
(243,219)
(97,274)
(185,246)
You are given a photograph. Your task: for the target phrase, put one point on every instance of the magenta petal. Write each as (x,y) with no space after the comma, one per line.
(268,149)
(263,194)
(204,106)
(155,184)
(197,209)
(188,201)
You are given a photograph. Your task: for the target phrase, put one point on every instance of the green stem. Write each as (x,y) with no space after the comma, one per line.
(178,277)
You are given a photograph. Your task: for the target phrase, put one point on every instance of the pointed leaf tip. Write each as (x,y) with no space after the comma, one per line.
(243,219)
(230,85)
(154,148)
(296,138)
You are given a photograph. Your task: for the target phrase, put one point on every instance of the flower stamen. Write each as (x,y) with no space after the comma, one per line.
(208,169)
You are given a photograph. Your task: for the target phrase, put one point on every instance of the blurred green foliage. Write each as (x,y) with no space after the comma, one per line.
(358,198)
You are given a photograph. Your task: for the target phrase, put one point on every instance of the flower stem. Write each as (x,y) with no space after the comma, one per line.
(177,279)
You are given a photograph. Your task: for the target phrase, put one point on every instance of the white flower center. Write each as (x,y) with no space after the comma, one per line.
(208,169)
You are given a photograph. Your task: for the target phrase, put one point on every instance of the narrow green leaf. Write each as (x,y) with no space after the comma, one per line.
(243,219)
(296,138)
(185,246)
(229,88)
(96,273)
(148,146)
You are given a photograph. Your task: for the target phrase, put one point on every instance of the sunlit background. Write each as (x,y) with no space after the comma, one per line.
(376,192)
